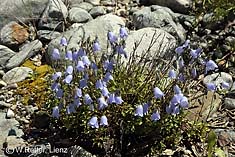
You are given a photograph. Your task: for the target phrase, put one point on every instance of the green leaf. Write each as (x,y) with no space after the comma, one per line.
(219,152)
(211,142)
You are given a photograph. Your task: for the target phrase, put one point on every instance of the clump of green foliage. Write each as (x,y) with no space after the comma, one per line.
(220,8)
(124,104)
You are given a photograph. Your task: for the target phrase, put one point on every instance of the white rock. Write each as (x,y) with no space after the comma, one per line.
(10,113)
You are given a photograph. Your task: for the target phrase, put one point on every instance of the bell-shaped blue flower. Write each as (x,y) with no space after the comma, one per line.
(96,46)
(181,63)
(87,99)
(157,93)
(211,65)
(56,76)
(102,103)
(55,112)
(139,111)
(63,41)
(176,99)
(120,50)
(118,100)
(155,116)
(211,87)
(108,65)
(195,53)
(80,66)
(75,56)
(69,70)
(99,84)
(105,92)
(59,93)
(145,108)
(181,77)
(186,43)
(111,37)
(78,93)
(225,85)
(104,121)
(179,50)
(184,102)
(194,72)
(68,79)
(177,89)
(123,32)
(86,61)
(69,55)
(83,83)
(172,74)
(81,52)
(111,98)
(55,86)
(77,102)
(55,54)
(70,109)
(93,122)
(108,76)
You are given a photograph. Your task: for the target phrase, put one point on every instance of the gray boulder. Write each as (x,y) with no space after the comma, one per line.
(163,42)
(97,11)
(180,6)
(27,51)
(5,55)
(78,15)
(55,13)
(159,17)
(13,34)
(23,10)
(84,5)
(17,74)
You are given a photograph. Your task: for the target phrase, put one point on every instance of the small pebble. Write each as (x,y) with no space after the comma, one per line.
(3,104)
(10,113)
(2,83)
(10,100)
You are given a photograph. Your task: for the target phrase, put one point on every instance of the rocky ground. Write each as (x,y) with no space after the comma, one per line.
(31,29)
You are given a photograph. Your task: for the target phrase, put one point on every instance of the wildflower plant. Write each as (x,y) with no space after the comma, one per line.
(123,105)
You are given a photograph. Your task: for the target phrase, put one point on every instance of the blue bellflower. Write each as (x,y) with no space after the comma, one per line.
(59,93)
(139,112)
(99,84)
(194,72)
(75,56)
(111,98)
(69,70)
(177,89)
(102,103)
(157,93)
(81,52)
(195,53)
(87,99)
(104,121)
(55,54)
(55,112)
(225,85)
(105,91)
(155,116)
(77,102)
(68,79)
(120,50)
(172,74)
(69,55)
(63,41)
(108,65)
(108,76)
(123,32)
(93,122)
(210,66)
(145,108)
(86,61)
(211,87)
(70,109)
(78,93)
(55,86)
(96,46)
(80,66)
(83,83)
(111,37)
(56,76)
(118,100)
